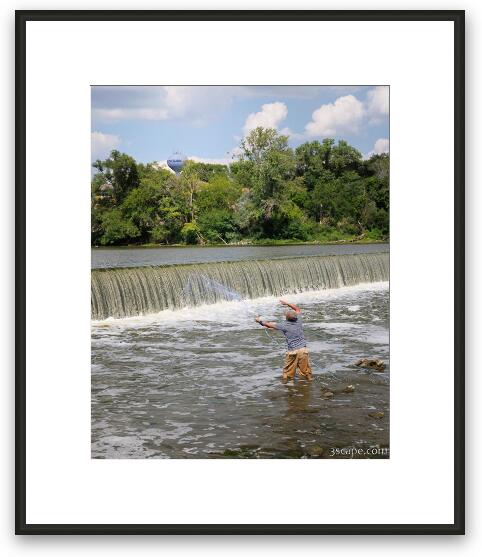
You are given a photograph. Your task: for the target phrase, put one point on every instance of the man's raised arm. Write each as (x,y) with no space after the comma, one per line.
(267,324)
(296,309)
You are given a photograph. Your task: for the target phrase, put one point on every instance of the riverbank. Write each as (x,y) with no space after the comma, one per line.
(250,243)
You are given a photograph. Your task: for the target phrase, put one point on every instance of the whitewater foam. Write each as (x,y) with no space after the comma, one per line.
(232,312)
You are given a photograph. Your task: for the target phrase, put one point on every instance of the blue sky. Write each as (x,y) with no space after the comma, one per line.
(208,122)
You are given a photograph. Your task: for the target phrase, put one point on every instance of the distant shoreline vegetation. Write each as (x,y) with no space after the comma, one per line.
(320,192)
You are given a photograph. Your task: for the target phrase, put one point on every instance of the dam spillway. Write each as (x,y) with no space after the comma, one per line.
(125,292)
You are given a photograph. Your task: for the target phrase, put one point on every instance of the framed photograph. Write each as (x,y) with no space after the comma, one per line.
(240,272)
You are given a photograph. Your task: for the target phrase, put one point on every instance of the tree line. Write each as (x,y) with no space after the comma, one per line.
(320,191)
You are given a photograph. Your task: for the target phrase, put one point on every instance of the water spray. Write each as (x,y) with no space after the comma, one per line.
(198,285)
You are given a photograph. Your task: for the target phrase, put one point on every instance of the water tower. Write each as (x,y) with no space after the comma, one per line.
(176,162)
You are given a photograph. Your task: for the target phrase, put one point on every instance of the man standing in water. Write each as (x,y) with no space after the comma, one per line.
(297,354)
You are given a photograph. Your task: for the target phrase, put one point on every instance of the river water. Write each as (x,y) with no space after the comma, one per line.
(140,257)
(204,381)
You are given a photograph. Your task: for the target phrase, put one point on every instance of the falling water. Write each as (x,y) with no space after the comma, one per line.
(123,292)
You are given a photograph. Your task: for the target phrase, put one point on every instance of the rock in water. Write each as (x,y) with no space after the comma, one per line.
(316,452)
(376,365)
(349,389)
(377,415)
(326,393)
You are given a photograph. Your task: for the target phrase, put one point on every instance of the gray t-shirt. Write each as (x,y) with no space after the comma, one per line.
(293,332)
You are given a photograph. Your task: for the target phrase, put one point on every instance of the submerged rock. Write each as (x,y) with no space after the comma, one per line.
(349,389)
(315,452)
(377,415)
(326,393)
(376,365)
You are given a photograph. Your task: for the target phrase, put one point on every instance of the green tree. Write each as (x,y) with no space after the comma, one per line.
(265,166)
(118,174)
(322,190)
(218,225)
(206,171)
(157,207)
(219,193)
(190,233)
(190,184)
(313,161)
(344,158)
(116,228)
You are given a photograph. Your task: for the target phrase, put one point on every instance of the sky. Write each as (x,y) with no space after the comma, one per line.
(207,123)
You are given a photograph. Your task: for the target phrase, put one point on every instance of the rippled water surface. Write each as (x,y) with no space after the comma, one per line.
(139,257)
(204,382)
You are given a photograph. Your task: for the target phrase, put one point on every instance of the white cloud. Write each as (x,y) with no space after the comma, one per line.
(195,158)
(207,160)
(199,104)
(290,91)
(196,104)
(163,164)
(102,144)
(343,115)
(270,116)
(382,145)
(116,114)
(346,114)
(377,104)
(291,134)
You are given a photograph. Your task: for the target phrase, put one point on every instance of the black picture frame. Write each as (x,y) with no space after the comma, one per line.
(21,18)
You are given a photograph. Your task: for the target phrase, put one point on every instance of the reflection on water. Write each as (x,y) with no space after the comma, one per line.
(205,382)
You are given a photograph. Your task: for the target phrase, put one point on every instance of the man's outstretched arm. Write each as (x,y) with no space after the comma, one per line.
(295,308)
(267,324)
